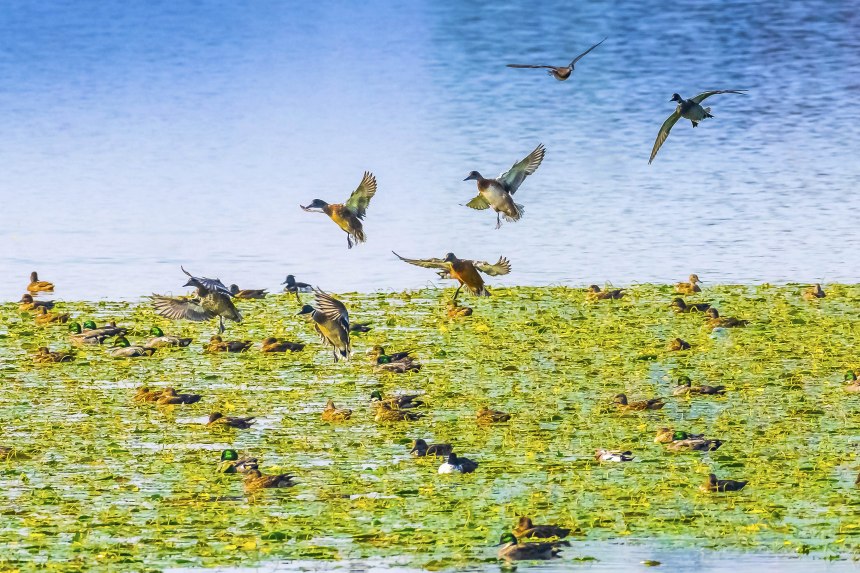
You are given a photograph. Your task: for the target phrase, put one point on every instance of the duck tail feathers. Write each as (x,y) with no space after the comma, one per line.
(520,211)
(708,112)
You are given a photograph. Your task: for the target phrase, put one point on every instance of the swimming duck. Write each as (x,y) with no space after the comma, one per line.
(682,441)
(691,287)
(331,321)
(498,193)
(231,463)
(464,271)
(44,317)
(272,344)
(400,401)
(685,386)
(45,356)
(420,448)
(814,292)
(593,292)
(385,412)
(349,215)
(602,455)
(679,306)
(688,109)
(331,413)
(853,383)
(650,404)
(213,299)
(525,528)
(27,303)
(256,480)
(513,550)
(296,287)
(398,362)
(122,348)
(170,397)
(457,311)
(247,293)
(487,416)
(217,344)
(219,419)
(677,344)
(360,327)
(90,334)
(145,394)
(162,341)
(39,286)
(717,321)
(457,464)
(560,73)
(714,484)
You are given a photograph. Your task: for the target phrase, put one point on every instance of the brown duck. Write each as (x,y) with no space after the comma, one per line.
(650,404)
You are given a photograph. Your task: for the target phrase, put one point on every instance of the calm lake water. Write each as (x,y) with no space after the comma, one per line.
(138,137)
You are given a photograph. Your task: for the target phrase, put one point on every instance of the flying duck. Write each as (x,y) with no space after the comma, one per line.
(466,272)
(213,299)
(559,73)
(348,215)
(498,193)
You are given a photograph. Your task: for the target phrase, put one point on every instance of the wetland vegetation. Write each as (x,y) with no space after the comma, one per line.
(94,478)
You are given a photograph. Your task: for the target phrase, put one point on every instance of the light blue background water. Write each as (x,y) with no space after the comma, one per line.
(138,136)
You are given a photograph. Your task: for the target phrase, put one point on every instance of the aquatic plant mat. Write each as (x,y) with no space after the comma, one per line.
(98,480)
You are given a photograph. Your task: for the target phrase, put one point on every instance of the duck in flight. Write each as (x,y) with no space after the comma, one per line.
(498,193)
(688,109)
(559,73)
(348,215)
(213,299)
(331,321)
(463,270)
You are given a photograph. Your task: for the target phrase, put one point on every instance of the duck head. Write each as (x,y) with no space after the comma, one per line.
(621,399)
(376,395)
(713,313)
(850,376)
(593,288)
(685,381)
(229,456)
(694,279)
(450,258)
(474,175)
(307,309)
(234,289)
(215,416)
(75,328)
(290,281)
(508,538)
(525,523)
(155,331)
(26,298)
(678,303)
(418,445)
(121,341)
(90,325)
(677,98)
(317,205)
(34,277)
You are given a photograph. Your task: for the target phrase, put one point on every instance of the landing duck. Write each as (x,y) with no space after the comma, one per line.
(349,215)
(122,348)
(455,463)
(331,321)
(560,73)
(714,484)
(498,193)
(513,550)
(650,404)
(691,287)
(421,448)
(688,109)
(247,293)
(39,286)
(464,271)
(526,529)
(213,300)
(218,344)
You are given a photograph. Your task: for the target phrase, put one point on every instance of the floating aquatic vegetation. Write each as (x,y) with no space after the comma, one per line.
(94,479)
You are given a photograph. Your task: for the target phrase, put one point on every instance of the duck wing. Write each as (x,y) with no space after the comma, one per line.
(514,177)
(478,203)
(332,308)
(705,95)
(360,198)
(580,56)
(531,66)
(209,284)
(502,267)
(664,133)
(426,263)
(176,308)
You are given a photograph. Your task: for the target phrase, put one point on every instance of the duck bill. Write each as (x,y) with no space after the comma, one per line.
(309,209)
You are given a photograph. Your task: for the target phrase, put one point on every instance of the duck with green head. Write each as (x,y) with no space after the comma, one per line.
(231,463)
(213,300)
(122,348)
(91,334)
(163,341)
(397,362)
(331,321)
(853,383)
(512,550)
(679,441)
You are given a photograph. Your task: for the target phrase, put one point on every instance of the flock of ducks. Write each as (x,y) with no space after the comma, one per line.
(330,318)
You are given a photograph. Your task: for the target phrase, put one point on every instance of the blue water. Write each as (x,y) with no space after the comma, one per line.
(138,136)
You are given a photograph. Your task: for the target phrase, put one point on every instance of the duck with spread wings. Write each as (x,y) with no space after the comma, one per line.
(463,270)
(213,299)
(349,215)
(331,321)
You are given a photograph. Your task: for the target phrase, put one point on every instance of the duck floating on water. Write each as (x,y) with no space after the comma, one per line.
(218,344)
(688,109)
(561,73)
(27,303)
(814,292)
(691,287)
(717,321)
(39,286)
(255,480)
(386,412)
(420,448)
(526,529)
(219,419)
(170,397)
(45,356)
(678,441)
(714,484)
(399,402)
(332,413)
(457,464)
(593,292)
(685,387)
(122,348)
(272,344)
(213,300)
(161,340)
(512,550)
(603,455)
(677,344)
(487,416)
(498,193)
(349,215)
(43,317)
(398,362)
(247,293)
(679,306)
(650,404)
(231,463)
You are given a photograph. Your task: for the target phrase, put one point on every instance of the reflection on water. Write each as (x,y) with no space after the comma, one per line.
(140,136)
(591,556)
